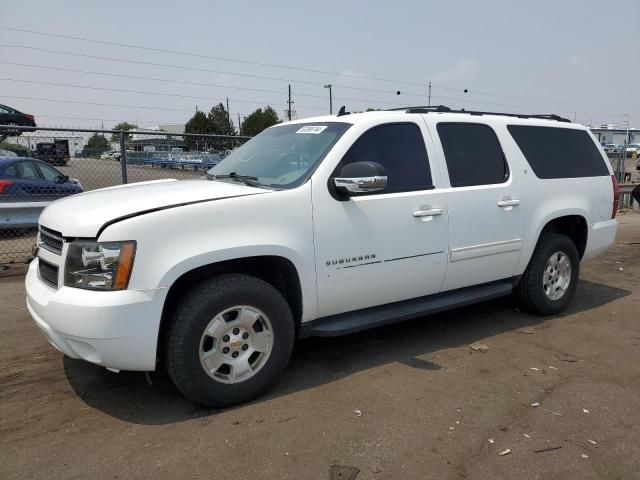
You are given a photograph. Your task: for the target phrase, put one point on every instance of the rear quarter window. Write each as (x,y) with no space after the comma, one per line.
(559,152)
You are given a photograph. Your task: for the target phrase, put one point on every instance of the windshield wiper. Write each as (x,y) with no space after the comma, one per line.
(246,179)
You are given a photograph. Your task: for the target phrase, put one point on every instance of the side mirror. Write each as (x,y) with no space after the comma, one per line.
(361,177)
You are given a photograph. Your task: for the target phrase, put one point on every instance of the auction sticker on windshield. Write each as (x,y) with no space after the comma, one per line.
(313,129)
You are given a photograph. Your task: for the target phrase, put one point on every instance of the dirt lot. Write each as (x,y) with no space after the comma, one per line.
(401,402)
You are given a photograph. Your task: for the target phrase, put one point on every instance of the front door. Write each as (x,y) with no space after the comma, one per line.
(384,246)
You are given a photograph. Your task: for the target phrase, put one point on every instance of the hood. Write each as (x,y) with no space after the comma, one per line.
(83,215)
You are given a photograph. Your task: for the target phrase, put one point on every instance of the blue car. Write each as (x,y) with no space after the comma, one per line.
(28,179)
(26,186)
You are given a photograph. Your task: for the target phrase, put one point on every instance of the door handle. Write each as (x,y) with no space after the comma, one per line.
(431,212)
(511,202)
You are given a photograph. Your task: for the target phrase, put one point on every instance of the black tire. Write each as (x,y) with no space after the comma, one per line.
(530,289)
(192,316)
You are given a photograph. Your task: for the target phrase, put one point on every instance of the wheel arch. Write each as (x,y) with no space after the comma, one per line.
(573,222)
(278,271)
(573,226)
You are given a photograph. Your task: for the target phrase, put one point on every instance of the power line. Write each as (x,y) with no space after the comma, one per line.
(195,69)
(407,94)
(262,64)
(145,107)
(140,47)
(215,99)
(466,101)
(131,120)
(138,92)
(211,57)
(156,79)
(516,97)
(363,100)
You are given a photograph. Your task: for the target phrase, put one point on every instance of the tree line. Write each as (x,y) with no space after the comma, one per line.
(216,122)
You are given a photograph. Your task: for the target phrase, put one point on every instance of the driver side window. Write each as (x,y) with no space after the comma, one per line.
(49,173)
(399,148)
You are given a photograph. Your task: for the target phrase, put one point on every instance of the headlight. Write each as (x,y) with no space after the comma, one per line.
(99,265)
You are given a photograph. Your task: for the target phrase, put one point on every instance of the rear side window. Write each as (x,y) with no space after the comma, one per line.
(400,149)
(11,171)
(473,154)
(559,152)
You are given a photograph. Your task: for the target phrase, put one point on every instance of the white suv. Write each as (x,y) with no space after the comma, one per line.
(323,227)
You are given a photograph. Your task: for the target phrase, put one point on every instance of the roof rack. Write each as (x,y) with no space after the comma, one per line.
(445,109)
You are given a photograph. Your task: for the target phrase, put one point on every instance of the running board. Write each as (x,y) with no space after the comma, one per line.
(358,320)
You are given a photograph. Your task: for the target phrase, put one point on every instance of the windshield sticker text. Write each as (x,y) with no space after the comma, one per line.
(313,129)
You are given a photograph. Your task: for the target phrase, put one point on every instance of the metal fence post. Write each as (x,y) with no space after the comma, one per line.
(123,157)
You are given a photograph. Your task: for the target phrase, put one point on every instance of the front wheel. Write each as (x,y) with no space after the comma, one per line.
(550,280)
(229,341)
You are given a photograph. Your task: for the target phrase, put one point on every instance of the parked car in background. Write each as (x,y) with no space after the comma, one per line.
(27,179)
(633,148)
(612,148)
(7,153)
(11,116)
(110,156)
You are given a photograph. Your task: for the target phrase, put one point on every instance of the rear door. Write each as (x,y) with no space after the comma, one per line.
(486,219)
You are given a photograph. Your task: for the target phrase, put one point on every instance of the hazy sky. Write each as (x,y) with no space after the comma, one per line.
(577,58)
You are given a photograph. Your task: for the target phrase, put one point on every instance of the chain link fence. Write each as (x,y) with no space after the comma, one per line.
(38,166)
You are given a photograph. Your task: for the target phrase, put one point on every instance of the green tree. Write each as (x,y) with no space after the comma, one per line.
(216,122)
(220,121)
(258,121)
(199,123)
(97,144)
(123,126)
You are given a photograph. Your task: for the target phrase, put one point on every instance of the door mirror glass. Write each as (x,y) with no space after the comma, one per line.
(361,177)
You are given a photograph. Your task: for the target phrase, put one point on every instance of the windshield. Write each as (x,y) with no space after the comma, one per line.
(283,156)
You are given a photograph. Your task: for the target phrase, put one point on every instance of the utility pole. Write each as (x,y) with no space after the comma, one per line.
(289,102)
(228,117)
(429,97)
(330,99)
(238,124)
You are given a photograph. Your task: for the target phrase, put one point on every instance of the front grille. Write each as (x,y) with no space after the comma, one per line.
(51,240)
(48,273)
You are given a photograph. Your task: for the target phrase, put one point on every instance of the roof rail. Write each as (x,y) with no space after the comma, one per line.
(443,109)
(423,109)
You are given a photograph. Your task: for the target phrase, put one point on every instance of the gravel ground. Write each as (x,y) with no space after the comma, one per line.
(402,402)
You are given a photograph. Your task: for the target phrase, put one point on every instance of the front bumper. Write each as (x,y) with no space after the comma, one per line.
(116,330)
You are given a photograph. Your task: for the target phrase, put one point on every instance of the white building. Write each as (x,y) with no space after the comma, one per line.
(30,140)
(616,134)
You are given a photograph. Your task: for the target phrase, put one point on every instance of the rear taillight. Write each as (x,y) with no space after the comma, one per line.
(616,196)
(30,117)
(4,184)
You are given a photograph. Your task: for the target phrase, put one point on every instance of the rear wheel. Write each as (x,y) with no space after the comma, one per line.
(229,341)
(550,280)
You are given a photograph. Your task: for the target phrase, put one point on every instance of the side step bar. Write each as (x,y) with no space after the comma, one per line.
(358,320)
